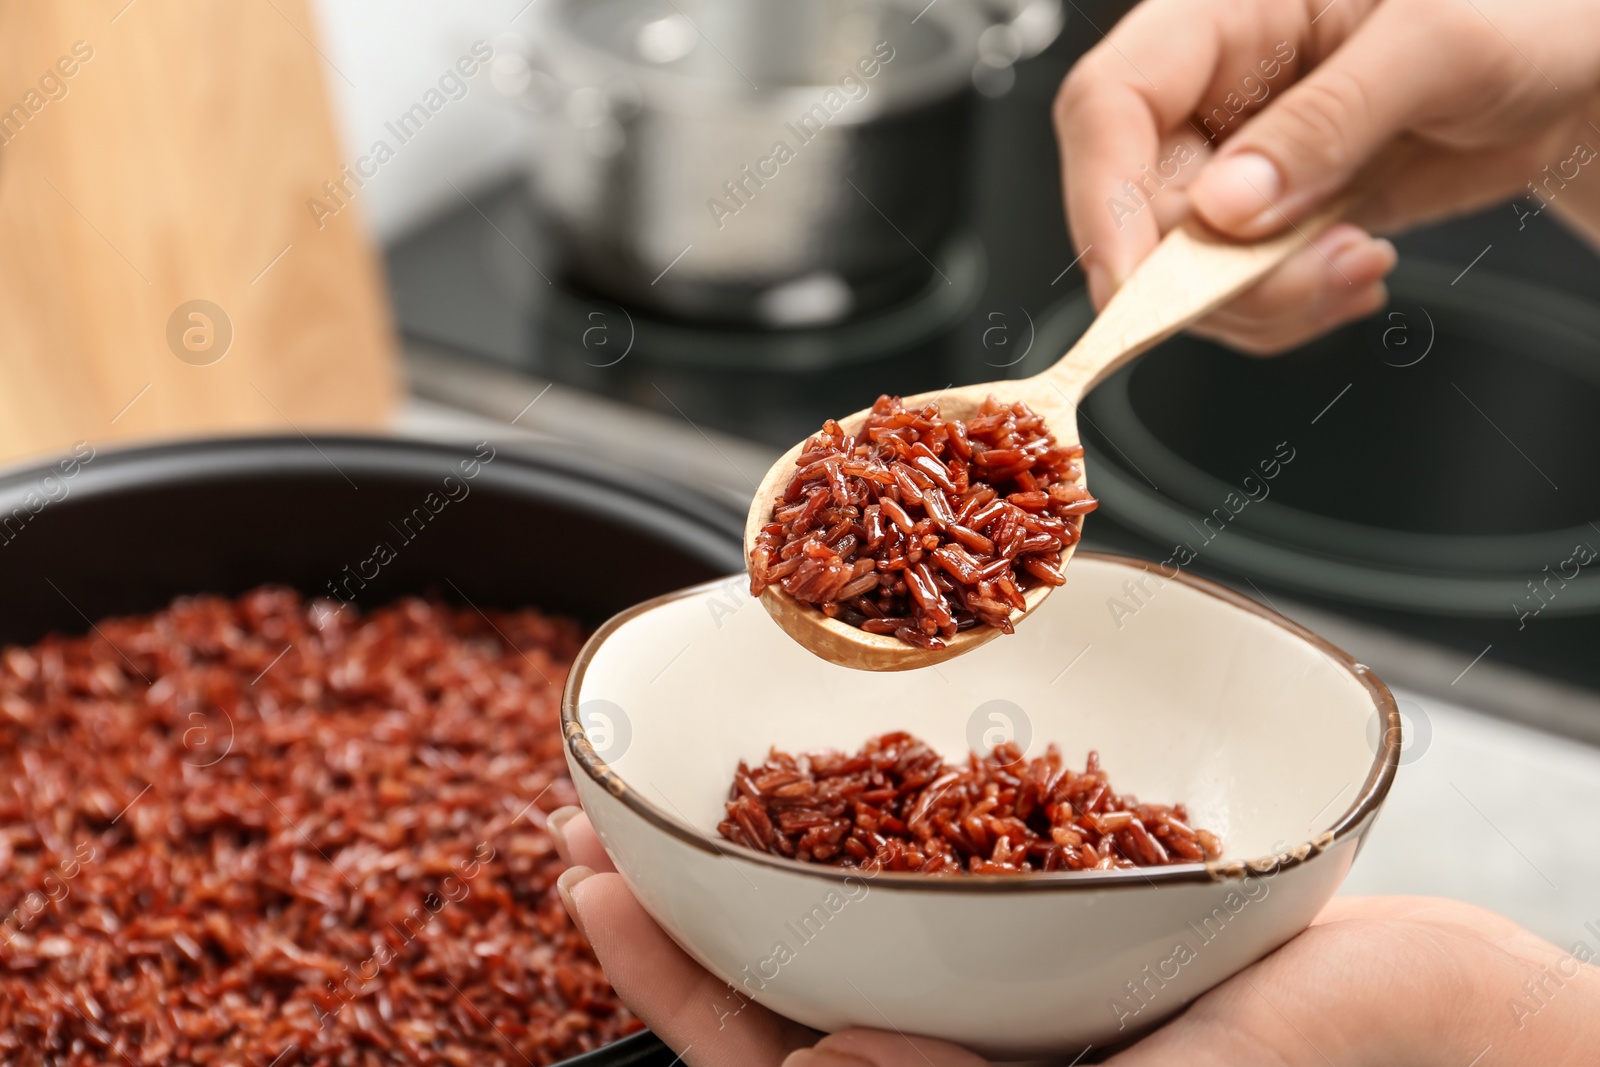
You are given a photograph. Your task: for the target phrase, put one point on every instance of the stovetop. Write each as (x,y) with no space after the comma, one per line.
(1441,485)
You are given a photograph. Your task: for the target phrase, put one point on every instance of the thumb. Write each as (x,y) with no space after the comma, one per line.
(1308,143)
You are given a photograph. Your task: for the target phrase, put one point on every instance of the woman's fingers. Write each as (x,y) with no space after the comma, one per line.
(1380,981)
(1252,114)
(690,1009)
(1460,77)
(1139,113)
(1336,279)
(1112,121)
(1466,920)
(576,841)
(1438,182)
(1310,141)
(1106,135)
(1320,999)
(694,1012)
(712,1024)
(880,1048)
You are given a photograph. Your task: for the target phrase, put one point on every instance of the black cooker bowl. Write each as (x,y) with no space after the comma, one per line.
(130,530)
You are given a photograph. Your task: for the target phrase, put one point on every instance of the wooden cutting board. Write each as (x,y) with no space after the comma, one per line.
(153,155)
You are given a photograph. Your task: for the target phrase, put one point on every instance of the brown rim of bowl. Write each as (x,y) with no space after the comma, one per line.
(1371,795)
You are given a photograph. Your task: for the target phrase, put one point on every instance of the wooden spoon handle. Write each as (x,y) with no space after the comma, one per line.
(1192,271)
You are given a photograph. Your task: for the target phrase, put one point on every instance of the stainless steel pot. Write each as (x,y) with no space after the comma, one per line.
(785,162)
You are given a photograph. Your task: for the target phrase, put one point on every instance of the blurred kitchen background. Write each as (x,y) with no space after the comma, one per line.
(569,224)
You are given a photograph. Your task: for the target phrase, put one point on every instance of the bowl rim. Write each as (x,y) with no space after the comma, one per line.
(1369,797)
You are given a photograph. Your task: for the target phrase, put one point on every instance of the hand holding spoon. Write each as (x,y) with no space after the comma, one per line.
(1191,272)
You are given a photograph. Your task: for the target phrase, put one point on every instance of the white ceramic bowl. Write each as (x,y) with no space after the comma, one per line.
(1274,739)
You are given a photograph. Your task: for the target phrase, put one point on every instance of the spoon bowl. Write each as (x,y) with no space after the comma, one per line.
(850,646)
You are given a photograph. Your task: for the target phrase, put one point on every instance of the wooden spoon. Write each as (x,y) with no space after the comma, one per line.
(1192,271)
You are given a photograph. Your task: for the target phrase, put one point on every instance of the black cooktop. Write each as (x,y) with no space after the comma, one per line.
(1433,468)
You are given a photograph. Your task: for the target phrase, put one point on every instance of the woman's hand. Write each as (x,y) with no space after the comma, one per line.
(1375,982)
(1251,113)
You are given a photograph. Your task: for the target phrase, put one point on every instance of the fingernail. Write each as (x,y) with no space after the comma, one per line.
(1099,285)
(1386,253)
(555,824)
(1237,190)
(1363,262)
(564,885)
